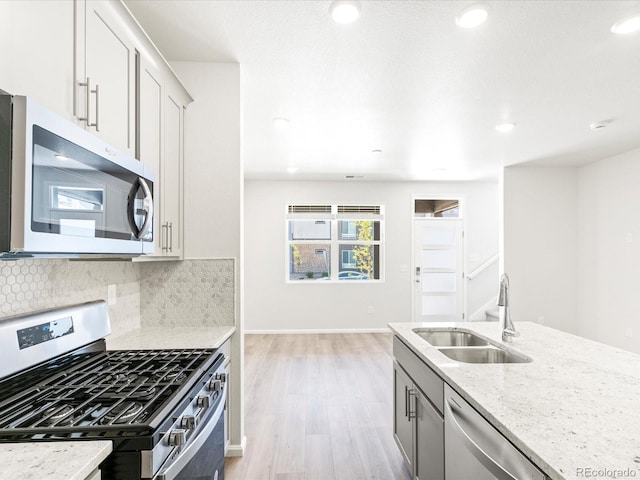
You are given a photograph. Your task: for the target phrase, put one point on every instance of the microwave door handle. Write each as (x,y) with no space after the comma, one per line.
(147,207)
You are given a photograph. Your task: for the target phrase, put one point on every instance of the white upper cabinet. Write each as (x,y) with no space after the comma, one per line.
(172,173)
(161,104)
(105,72)
(150,98)
(36,52)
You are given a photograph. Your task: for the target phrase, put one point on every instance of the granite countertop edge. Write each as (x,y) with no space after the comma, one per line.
(52,460)
(159,337)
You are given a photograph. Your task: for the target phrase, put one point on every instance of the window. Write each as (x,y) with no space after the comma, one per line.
(436,208)
(334,242)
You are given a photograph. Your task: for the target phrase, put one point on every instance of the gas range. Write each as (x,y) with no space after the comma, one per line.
(158,407)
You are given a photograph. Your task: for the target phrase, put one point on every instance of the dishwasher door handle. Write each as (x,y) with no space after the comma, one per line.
(485,459)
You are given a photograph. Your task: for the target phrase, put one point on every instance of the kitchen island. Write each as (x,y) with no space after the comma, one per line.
(573,411)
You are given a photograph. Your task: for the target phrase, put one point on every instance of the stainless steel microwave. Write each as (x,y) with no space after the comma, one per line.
(65,192)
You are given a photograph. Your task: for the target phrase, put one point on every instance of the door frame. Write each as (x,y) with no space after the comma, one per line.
(462,200)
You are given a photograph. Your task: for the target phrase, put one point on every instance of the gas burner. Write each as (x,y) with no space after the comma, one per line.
(114,378)
(143,393)
(169,375)
(123,413)
(59,415)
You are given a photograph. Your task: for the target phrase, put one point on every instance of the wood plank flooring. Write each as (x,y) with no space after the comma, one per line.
(318,406)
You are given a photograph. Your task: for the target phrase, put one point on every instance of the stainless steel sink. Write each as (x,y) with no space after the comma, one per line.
(488,354)
(465,346)
(450,337)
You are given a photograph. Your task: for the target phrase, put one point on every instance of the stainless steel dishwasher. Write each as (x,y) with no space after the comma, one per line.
(476,450)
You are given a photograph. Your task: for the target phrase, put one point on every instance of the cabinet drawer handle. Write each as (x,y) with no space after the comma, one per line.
(171,236)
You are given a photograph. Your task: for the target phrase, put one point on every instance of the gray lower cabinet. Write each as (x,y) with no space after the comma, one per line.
(418,424)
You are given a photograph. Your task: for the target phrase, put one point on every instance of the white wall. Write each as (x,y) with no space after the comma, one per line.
(540,238)
(214,194)
(272,304)
(609,250)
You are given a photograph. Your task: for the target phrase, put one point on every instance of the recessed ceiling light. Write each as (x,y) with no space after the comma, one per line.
(281,123)
(377,151)
(292,170)
(345,11)
(438,170)
(473,15)
(505,127)
(598,126)
(626,26)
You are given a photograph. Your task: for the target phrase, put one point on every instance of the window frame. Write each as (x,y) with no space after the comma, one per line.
(373,213)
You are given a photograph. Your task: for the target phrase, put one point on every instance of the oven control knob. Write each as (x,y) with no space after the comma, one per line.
(203,401)
(221,376)
(214,385)
(177,437)
(188,422)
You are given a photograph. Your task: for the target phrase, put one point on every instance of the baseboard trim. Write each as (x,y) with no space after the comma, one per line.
(316,330)
(234,450)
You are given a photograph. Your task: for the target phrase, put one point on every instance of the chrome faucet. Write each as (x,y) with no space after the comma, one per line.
(506,325)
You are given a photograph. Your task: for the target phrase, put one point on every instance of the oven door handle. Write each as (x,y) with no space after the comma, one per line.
(194,445)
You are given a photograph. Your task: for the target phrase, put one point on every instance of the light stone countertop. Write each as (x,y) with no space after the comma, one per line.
(51,460)
(576,406)
(153,338)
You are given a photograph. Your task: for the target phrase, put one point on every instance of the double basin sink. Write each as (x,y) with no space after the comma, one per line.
(465,346)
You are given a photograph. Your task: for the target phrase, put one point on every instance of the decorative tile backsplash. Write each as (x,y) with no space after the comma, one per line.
(189,293)
(192,292)
(27,285)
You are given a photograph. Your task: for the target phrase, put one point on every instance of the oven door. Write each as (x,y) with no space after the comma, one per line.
(203,457)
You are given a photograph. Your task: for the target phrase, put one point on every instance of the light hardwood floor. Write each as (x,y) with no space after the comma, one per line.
(318,406)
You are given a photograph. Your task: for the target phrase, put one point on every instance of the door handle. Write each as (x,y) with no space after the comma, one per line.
(87,118)
(147,208)
(413,394)
(417,274)
(171,236)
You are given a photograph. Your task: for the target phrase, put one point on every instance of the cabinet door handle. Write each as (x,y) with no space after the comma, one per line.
(171,236)
(97,122)
(86,84)
(412,394)
(164,236)
(417,274)
(406,401)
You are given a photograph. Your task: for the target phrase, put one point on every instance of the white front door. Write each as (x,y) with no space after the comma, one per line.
(438,270)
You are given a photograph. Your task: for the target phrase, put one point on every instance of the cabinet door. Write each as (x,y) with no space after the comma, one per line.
(150,97)
(39,65)
(172,175)
(109,63)
(402,424)
(429,439)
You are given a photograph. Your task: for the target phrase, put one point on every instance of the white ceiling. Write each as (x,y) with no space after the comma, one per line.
(406,80)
